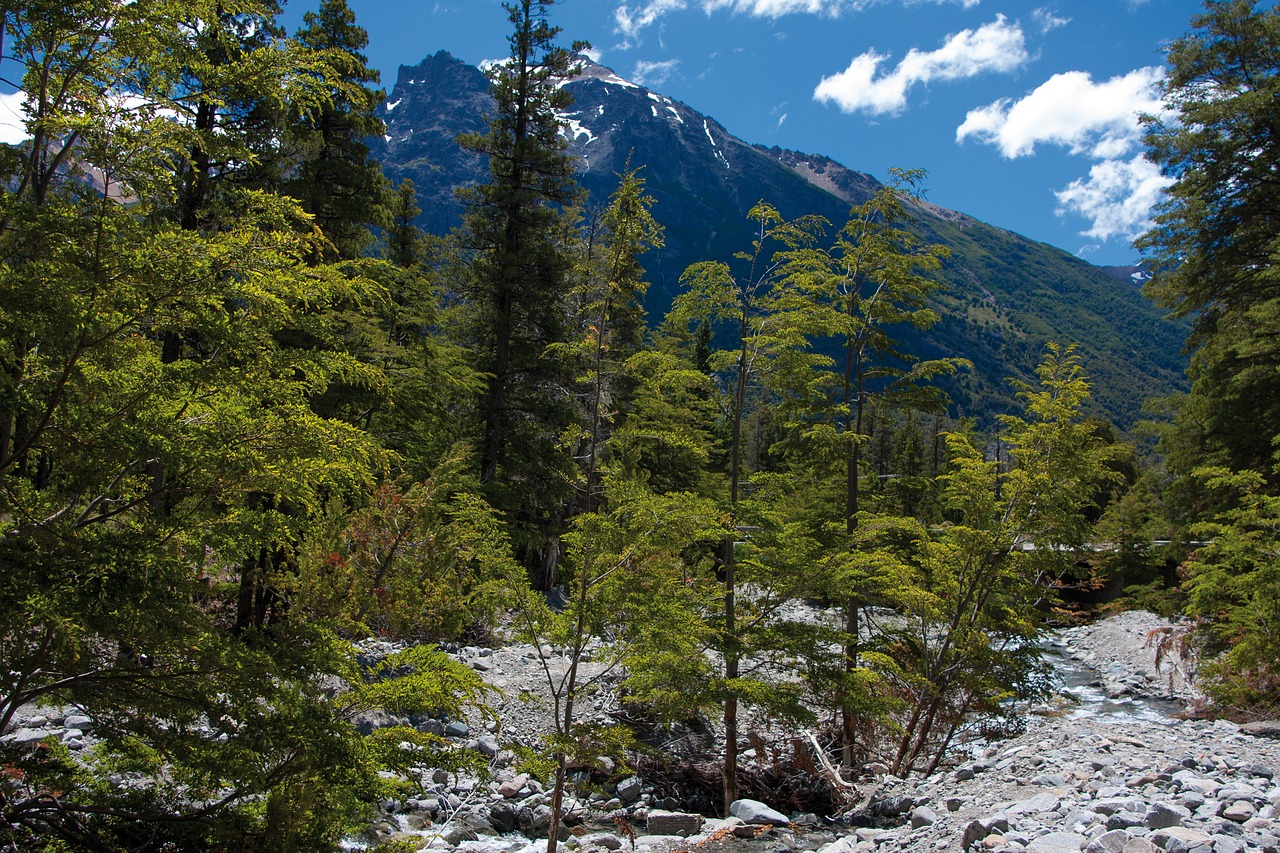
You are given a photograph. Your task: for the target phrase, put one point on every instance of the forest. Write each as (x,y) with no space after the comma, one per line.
(251,417)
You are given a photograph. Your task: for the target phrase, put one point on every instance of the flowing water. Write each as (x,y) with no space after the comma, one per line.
(1083,684)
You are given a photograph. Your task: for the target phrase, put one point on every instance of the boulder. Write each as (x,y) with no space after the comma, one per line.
(1262,728)
(1057,842)
(662,822)
(1239,811)
(1180,839)
(923,816)
(1109,842)
(629,789)
(1162,815)
(756,813)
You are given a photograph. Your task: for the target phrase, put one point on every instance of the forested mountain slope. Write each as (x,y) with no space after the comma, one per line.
(1005,295)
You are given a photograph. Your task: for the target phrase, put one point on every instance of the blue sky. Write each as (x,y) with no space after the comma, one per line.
(1024,114)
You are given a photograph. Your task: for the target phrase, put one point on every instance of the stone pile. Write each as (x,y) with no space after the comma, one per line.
(1078,780)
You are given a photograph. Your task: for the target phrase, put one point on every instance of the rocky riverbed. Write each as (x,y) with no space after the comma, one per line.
(1106,770)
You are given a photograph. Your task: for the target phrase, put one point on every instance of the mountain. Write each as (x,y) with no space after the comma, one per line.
(1005,296)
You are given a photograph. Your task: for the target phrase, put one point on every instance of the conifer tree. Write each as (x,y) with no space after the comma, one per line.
(334,180)
(518,280)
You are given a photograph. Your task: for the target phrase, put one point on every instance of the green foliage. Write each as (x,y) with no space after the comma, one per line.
(333,178)
(518,279)
(1215,241)
(163,449)
(430,560)
(1234,587)
(967,595)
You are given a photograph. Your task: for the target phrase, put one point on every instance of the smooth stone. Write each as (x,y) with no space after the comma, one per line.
(1179,839)
(1126,820)
(1139,845)
(1109,842)
(1239,811)
(1045,802)
(756,813)
(78,721)
(513,787)
(1057,842)
(629,789)
(1262,728)
(1162,815)
(923,816)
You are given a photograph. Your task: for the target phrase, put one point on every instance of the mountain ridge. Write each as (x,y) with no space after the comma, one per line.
(1004,297)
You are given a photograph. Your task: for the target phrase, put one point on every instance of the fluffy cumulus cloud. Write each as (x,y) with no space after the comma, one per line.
(631,18)
(1070,109)
(1099,120)
(1116,198)
(998,46)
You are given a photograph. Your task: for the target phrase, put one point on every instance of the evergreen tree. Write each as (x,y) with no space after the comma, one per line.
(1216,243)
(334,180)
(762,299)
(518,281)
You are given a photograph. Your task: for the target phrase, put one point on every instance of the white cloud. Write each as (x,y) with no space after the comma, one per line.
(653,73)
(12,129)
(997,46)
(1117,197)
(1046,19)
(1096,120)
(1069,109)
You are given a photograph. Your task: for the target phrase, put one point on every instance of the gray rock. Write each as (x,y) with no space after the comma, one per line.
(1262,771)
(1126,820)
(1139,845)
(1080,819)
(28,736)
(1239,811)
(1109,842)
(1118,804)
(1045,802)
(892,806)
(503,817)
(974,832)
(662,822)
(1262,728)
(456,728)
(1057,842)
(601,840)
(78,721)
(756,813)
(1050,780)
(923,816)
(534,821)
(629,789)
(1162,815)
(513,787)
(486,745)
(1180,839)
(1227,844)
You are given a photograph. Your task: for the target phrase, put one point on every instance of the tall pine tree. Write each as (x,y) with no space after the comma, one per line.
(518,280)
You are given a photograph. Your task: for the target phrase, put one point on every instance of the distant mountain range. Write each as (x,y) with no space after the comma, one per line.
(1005,295)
